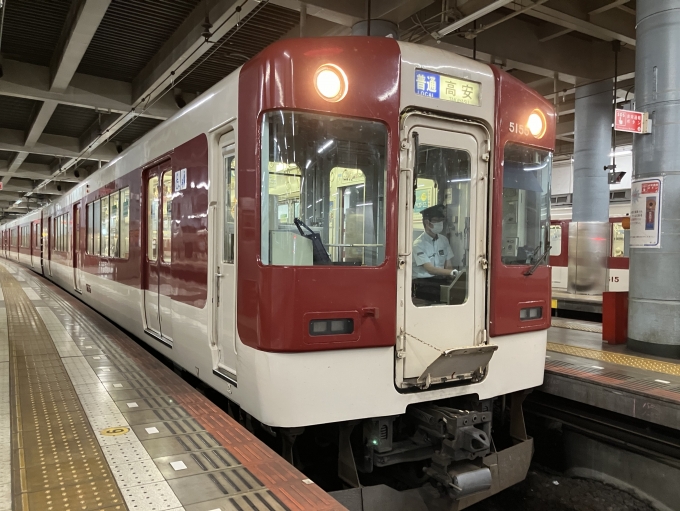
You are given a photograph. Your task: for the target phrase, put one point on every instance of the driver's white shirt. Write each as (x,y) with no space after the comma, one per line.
(435,251)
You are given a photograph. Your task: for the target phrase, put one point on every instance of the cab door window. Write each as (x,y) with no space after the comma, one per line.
(441,226)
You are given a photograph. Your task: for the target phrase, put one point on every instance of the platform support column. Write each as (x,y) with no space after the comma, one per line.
(654,299)
(592,145)
(589,229)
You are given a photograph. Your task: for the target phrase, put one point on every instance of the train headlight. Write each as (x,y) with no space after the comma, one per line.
(536,124)
(330,82)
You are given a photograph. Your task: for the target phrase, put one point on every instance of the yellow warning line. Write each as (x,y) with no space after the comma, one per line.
(617,358)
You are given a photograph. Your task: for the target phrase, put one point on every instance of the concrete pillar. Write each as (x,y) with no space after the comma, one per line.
(592,145)
(589,229)
(654,299)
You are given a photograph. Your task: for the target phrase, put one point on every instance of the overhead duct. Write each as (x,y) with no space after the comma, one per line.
(379,28)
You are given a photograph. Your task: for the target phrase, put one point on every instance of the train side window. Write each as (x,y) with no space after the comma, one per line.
(166,211)
(125,223)
(618,240)
(229,205)
(97,228)
(105,226)
(555,240)
(152,219)
(526,204)
(114,229)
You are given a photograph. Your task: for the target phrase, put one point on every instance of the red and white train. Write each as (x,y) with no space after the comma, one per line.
(188,240)
(617,263)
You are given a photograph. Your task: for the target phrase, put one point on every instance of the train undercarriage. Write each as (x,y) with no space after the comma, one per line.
(445,455)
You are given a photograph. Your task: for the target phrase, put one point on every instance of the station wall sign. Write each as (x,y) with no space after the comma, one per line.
(630,121)
(645,213)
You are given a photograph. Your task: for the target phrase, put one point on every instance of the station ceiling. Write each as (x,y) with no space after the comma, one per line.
(82,79)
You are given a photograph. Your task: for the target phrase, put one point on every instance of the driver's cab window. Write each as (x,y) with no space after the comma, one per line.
(323,190)
(441,227)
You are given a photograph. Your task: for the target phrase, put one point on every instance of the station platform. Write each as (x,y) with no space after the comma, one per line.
(90,420)
(561,300)
(580,367)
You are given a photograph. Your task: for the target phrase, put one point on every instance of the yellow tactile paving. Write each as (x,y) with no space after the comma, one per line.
(617,358)
(57,464)
(577,325)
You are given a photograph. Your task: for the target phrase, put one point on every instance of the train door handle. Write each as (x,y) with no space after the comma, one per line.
(218,276)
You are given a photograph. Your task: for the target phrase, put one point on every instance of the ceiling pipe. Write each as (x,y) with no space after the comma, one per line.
(470,18)
(303,18)
(474,33)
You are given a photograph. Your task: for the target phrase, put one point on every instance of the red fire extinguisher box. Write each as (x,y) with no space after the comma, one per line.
(615,317)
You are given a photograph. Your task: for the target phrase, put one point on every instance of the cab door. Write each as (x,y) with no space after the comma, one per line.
(442,334)
(224,301)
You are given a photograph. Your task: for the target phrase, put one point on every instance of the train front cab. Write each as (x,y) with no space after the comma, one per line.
(348,332)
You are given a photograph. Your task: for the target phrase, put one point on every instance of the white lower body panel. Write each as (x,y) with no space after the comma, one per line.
(302,389)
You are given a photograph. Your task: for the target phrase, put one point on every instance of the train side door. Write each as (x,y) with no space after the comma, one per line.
(158,183)
(151,252)
(35,250)
(31,242)
(224,301)
(165,288)
(47,244)
(77,250)
(442,334)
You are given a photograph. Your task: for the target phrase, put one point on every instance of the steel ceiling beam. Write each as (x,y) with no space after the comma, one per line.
(572,22)
(349,12)
(81,24)
(187,45)
(30,81)
(53,145)
(607,7)
(39,171)
(489,8)
(180,52)
(527,63)
(26,185)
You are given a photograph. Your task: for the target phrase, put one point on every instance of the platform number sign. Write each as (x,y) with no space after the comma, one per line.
(180,180)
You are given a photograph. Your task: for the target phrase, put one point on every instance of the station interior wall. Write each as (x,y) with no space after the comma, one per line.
(563,173)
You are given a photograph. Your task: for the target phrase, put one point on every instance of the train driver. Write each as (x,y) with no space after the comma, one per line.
(432,256)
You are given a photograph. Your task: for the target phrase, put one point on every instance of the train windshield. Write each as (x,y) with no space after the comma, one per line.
(323,190)
(526,204)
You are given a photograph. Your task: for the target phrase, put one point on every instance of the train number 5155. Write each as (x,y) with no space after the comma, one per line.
(518,128)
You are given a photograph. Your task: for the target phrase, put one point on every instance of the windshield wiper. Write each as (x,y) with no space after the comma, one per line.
(545,253)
